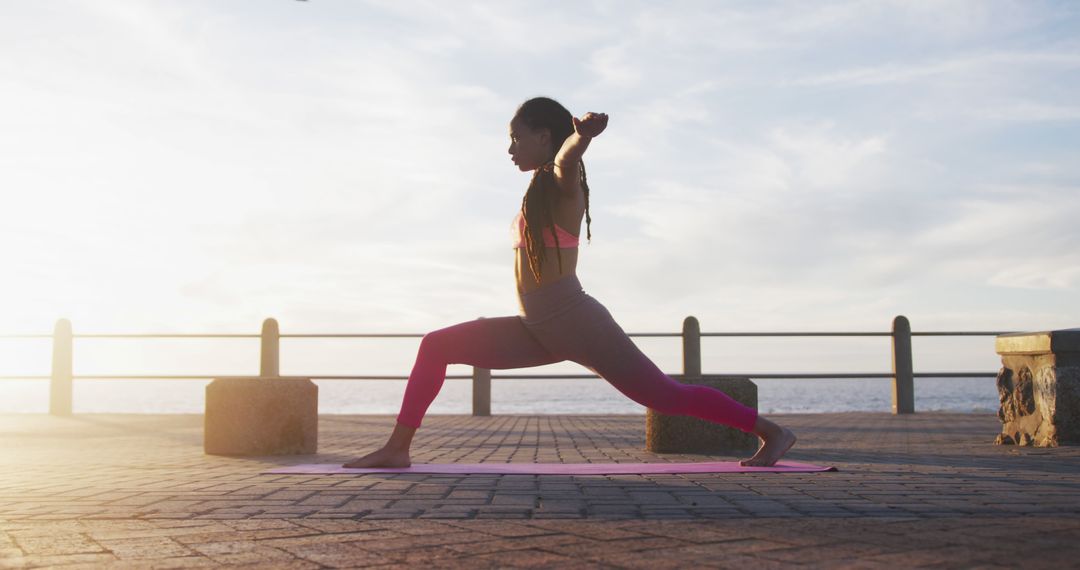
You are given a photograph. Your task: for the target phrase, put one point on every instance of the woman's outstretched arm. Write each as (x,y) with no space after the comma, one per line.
(585,128)
(573,148)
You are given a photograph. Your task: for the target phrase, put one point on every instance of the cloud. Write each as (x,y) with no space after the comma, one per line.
(905,72)
(1025,111)
(1040,272)
(756,190)
(822,161)
(611,65)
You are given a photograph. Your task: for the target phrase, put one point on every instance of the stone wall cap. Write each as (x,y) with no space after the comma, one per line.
(1044,342)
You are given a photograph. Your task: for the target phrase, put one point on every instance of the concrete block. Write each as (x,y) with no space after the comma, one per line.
(686,434)
(1039,388)
(255,415)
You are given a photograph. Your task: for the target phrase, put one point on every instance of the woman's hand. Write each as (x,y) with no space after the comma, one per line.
(574,146)
(591,124)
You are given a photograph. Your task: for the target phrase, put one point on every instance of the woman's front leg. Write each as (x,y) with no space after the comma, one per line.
(495,343)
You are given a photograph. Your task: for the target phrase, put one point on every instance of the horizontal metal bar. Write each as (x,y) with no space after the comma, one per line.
(153,377)
(823,375)
(765,375)
(960,333)
(418,335)
(749,334)
(955,375)
(167,335)
(353,335)
(213,376)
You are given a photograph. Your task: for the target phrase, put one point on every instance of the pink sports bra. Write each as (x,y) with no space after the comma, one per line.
(517,233)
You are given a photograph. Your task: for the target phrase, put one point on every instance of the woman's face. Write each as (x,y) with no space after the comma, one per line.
(529,149)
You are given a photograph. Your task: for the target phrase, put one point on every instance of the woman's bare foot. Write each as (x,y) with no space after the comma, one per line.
(383,457)
(776,440)
(394,453)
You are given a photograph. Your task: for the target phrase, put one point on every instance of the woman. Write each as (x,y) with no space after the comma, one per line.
(558,320)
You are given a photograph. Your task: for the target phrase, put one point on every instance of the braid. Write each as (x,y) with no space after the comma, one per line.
(553,189)
(585,189)
(536,209)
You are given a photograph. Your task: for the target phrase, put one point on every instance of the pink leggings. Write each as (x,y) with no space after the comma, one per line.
(559,321)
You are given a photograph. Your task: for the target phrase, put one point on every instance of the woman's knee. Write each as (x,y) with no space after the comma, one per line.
(434,343)
(670,400)
(657,390)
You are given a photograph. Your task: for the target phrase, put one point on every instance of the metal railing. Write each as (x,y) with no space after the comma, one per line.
(903,374)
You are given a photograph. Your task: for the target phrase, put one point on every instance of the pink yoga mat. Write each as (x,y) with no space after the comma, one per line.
(554,468)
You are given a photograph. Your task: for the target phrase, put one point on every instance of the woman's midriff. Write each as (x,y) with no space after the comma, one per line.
(550,268)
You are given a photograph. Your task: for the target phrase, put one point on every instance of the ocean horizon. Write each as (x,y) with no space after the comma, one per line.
(511,396)
(394,356)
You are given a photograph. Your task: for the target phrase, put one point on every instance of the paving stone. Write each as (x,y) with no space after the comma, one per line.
(515,543)
(241,552)
(144,548)
(337,554)
(65,543)
(447,514)
(37,561)
(534,559)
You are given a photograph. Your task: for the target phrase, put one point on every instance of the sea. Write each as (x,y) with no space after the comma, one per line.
(510,396)
(394,357)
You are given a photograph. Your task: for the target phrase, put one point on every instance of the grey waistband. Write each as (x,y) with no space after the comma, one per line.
(551,299)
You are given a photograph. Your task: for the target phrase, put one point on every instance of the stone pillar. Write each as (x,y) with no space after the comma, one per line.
(903,394)
(687,434)
(691,347)
(481,391)
(60,391)
(1039,388)
(270,349)
(254,415)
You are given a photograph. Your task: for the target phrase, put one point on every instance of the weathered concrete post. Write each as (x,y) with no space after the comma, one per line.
(269,350)
(60,384)
(481,391)
(670,433)
(691,347)
(1039,388)
(903,394)
(481,395)
(266,414)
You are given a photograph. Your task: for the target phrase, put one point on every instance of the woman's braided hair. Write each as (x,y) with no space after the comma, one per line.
(545,113)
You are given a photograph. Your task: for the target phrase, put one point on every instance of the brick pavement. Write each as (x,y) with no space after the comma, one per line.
(928,489)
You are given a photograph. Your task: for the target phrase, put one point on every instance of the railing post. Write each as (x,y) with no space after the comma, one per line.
(903,396)
(60,385)
(481,391)
(269,360)
(481,395)
(691,347)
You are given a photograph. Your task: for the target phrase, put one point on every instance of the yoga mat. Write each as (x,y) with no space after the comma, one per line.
(553,468)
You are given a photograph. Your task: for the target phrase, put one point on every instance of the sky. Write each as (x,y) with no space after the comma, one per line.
(342,166)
